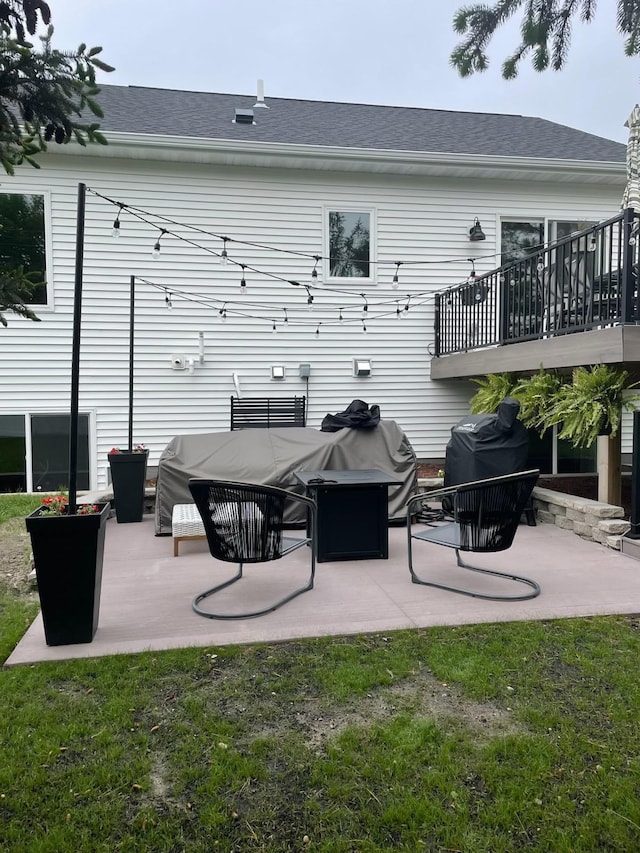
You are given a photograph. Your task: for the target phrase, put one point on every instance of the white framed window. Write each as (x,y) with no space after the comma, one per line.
(349,245)
(25,240)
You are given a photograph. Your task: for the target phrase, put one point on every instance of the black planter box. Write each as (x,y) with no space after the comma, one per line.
(128,477)
(67,554)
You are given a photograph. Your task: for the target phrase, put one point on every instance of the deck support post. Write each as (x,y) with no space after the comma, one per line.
(609,470)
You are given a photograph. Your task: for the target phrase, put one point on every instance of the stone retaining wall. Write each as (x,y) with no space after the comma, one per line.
(589,519)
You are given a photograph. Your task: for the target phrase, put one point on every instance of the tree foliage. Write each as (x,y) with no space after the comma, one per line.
(43,94)
(545,32)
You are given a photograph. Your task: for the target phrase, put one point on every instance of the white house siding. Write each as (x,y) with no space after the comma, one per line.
(418,219)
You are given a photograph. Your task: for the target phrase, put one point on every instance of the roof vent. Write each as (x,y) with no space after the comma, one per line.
(260,100)
(244,117)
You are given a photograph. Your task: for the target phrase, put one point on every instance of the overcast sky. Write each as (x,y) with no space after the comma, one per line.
(365,51)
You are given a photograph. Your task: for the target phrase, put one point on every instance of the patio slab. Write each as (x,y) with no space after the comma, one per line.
(147,592)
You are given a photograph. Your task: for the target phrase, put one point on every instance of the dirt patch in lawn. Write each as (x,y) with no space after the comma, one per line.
(15,557)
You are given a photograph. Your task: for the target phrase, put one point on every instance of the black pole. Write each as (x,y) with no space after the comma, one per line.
(634,532)
(75,351)
(132,300)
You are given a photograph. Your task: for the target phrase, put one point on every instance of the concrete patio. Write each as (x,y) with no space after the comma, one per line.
(147,592)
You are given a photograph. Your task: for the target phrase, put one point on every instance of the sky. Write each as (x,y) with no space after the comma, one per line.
(392,52)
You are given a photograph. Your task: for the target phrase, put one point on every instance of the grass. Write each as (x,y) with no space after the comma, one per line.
(501,738)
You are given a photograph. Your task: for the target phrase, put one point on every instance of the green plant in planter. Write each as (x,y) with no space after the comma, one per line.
(591,405)
(537,395)
(492,389)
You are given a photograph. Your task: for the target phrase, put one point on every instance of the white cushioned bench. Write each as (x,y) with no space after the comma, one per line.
(185,524)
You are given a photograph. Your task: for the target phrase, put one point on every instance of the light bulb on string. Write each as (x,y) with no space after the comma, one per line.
(223,313)
(398,314)
(406,307)
(540,266)
(243,283)
(340,318)
(156,249)
(309,300)
(591,247)
(115,232)
(365,307)
(472,274)
(315,276)
(167,299)
(318,331)
(286,316)
(364,327)
(224,256)
(395,282)
(274,329)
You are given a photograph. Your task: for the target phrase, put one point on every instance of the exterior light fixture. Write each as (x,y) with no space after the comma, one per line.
(475,232)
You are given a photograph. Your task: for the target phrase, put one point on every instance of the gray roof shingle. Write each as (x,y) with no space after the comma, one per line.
(137,109)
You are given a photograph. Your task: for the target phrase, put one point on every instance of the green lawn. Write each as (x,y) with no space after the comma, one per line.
(509,737)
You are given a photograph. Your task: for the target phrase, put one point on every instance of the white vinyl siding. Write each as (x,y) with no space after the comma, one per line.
(417,219)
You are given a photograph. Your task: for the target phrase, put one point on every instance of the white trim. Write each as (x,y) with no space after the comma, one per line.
(352,282)
(148,146)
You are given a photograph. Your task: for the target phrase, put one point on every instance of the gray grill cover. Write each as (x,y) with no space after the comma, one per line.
(270,456)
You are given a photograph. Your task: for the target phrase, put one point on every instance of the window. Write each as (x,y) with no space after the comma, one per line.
(34,452)
(22,239)
(349,244)
(520,238)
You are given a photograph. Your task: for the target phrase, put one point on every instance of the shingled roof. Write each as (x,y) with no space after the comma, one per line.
(206,115)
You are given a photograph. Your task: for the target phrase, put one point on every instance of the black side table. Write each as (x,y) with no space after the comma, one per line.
(352,512)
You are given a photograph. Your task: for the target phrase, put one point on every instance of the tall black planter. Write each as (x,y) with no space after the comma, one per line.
(67,554)
(128,477)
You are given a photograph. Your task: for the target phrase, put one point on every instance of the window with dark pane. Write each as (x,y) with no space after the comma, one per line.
(349,244)
(22,240)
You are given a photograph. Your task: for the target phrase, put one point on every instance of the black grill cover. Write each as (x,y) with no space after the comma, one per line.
(483,446)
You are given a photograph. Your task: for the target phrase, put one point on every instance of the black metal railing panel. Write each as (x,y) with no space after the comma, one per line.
(585,281)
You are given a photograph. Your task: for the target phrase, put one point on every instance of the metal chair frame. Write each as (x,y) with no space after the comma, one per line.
(477,527)
(251,532)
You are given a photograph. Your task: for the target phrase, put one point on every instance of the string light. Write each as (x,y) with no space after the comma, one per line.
(223,313)
(286,316)
(318,330)
(274,330)
(243,283)
(340,315)
(472,274)
(365,307)
(224,256)
(364,327)
(540,266)
(398,314)
(116,224)
(314,271)
(167,299)
(395,282)
(309,299)
(592,244)
(156,249)
(406,307)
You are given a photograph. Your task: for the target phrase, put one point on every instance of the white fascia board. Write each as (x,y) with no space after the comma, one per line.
(287,155)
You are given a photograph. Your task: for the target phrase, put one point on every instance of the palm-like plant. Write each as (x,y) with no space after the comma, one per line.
(591,405)
(536,395)
(492,389)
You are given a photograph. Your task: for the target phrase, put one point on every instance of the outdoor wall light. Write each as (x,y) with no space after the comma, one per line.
(277,371)
(361,367)
(475,232)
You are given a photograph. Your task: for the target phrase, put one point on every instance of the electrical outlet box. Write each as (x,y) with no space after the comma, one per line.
(305,371)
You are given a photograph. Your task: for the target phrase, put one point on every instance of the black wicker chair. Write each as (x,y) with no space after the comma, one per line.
(486,515)
(244,523)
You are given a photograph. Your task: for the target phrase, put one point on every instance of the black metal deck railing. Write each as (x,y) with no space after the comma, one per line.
(586,281)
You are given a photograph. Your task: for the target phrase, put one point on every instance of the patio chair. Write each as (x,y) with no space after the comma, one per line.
(244,523)
(486,515)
